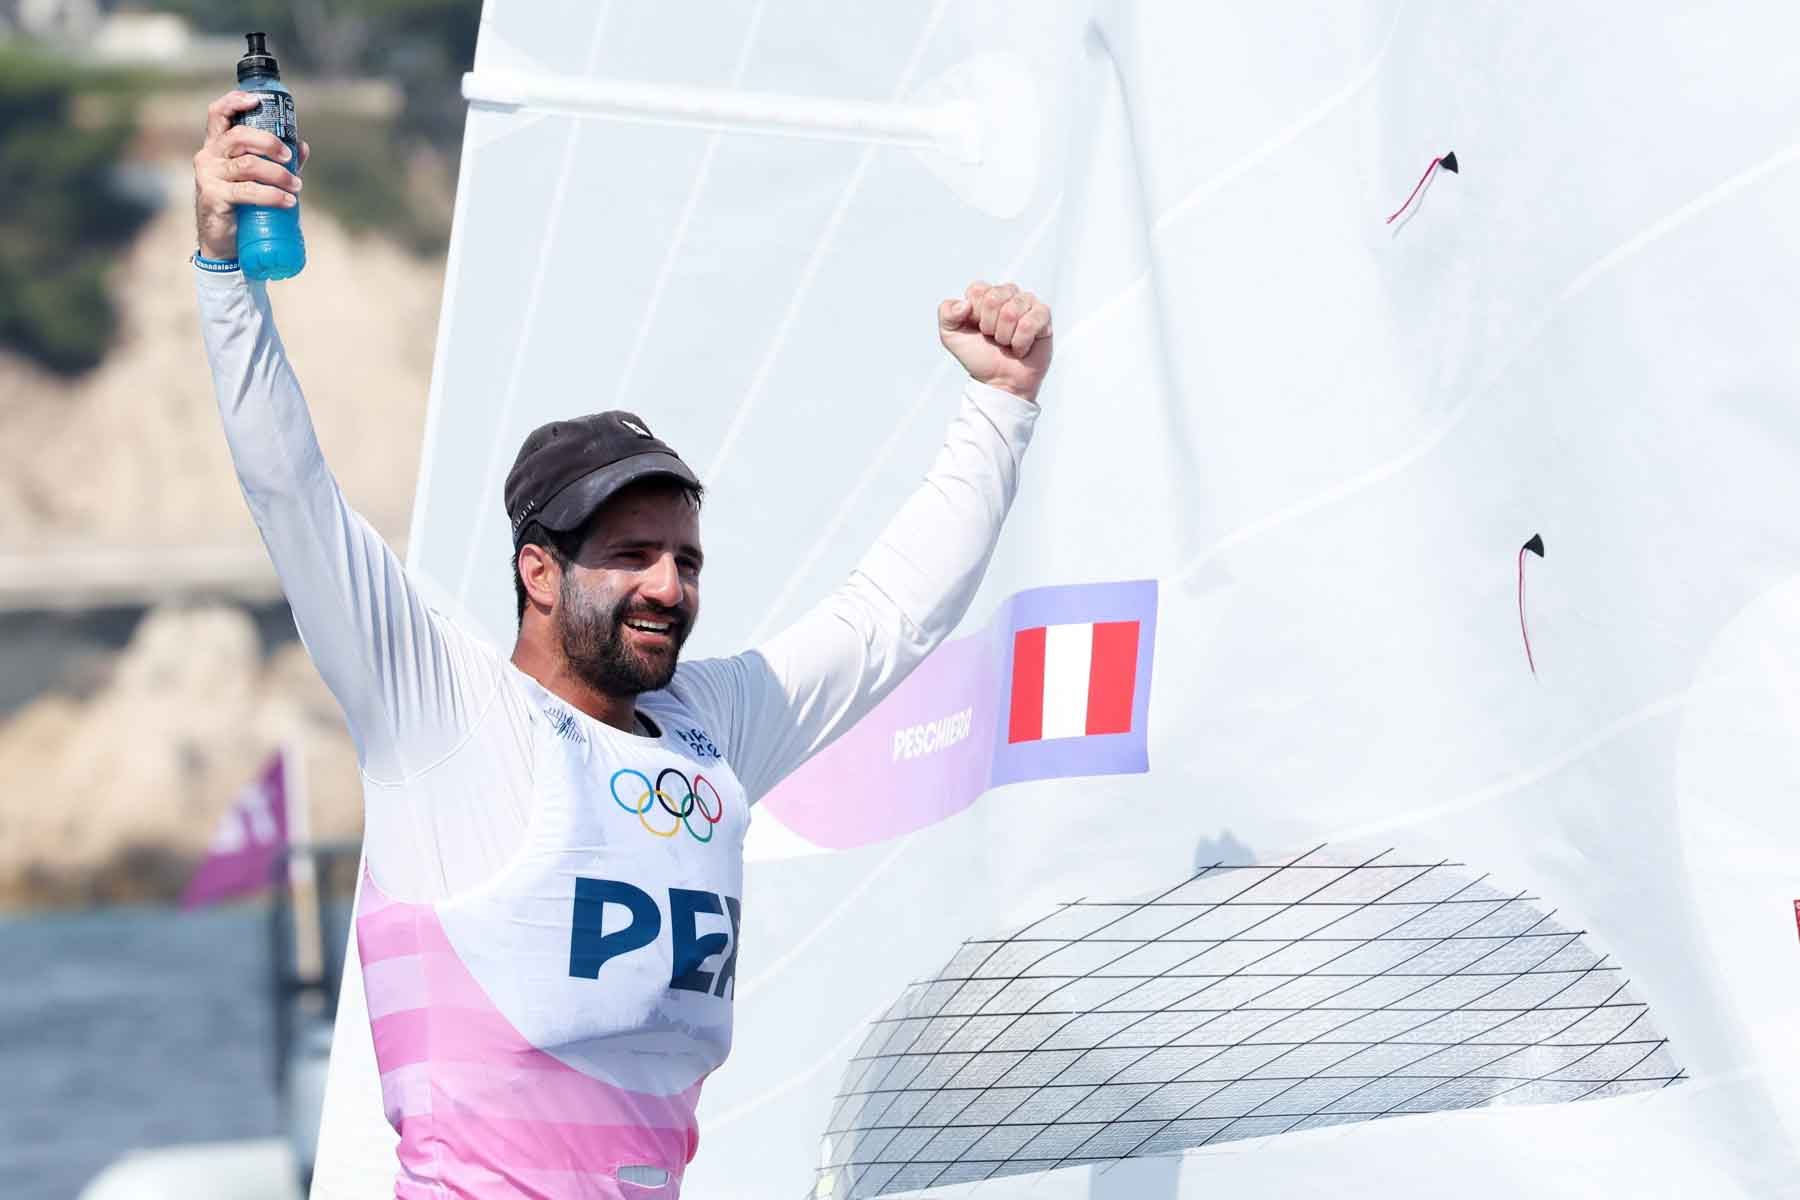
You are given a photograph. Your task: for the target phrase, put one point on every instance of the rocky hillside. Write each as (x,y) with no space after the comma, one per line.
(130,455)
(109,790)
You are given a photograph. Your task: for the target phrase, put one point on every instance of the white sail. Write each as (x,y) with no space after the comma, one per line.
(1327,437)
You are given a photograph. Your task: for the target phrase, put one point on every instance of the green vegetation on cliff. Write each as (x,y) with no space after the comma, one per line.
(67,201)
(63,215)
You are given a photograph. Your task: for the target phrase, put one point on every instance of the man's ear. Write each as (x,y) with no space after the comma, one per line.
(540,574)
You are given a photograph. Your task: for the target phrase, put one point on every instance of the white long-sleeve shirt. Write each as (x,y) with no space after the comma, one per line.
(442,743)
(442,721)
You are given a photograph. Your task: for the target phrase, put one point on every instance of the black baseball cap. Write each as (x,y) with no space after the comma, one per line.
(567,469)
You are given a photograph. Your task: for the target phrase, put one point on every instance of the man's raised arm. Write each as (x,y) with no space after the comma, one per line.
(784,701)
(395,669)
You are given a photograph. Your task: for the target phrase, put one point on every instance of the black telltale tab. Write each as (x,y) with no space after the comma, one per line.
(1448,162)
(1535,545)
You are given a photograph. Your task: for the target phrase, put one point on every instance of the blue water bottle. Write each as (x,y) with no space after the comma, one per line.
(268,239)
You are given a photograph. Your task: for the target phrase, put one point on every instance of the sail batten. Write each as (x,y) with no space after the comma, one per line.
(952,128)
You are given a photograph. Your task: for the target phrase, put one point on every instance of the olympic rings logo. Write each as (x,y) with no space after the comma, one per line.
(693,799)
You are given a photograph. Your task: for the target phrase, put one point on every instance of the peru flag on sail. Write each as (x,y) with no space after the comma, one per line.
(249,839)
(1073,680)
(1077,682)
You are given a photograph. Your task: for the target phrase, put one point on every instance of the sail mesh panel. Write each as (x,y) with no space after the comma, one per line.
(1248,1001)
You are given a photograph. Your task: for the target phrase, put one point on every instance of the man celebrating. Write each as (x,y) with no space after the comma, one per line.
(554,842)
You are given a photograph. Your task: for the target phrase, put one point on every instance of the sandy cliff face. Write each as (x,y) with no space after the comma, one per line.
(131,455)
(113,797)
(111,794)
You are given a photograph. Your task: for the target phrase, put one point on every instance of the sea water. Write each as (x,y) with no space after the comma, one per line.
(128,1028)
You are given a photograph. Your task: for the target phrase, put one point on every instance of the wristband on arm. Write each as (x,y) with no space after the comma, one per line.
(218,266)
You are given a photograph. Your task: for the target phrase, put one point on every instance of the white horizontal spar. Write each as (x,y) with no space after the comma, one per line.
(952,128)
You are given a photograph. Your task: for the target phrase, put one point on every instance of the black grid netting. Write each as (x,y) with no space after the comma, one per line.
(1245,1002)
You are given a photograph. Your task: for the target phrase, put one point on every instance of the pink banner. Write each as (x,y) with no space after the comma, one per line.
(251,837)
(1057,686)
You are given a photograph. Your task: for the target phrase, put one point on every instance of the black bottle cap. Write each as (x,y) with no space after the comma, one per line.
(257,60)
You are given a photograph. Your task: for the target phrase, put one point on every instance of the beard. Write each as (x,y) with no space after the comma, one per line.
(595,647)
